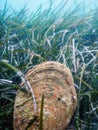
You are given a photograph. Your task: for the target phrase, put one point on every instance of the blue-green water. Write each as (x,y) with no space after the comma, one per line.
(33,5)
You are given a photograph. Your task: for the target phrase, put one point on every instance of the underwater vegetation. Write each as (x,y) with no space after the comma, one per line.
(69,37)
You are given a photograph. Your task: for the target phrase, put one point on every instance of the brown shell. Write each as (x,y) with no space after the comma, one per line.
(55,82)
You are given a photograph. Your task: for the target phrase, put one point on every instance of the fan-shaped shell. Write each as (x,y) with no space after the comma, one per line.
(55,82)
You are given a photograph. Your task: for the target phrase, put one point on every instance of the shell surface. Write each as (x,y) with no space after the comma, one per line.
(54,81)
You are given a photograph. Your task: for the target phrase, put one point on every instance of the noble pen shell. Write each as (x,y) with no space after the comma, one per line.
(53,80)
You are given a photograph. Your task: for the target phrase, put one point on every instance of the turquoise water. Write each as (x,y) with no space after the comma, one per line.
(33,5)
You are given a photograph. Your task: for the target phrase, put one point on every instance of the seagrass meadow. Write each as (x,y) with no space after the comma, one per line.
(68,36)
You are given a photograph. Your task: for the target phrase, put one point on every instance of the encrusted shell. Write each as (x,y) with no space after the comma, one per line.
(54,81)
